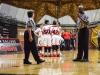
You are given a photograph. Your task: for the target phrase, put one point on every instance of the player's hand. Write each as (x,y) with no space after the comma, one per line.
(78,15)
(38,36)
(30,39)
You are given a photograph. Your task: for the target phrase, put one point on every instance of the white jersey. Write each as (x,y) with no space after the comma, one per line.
(60,35)
(55,30)
(47,36)
(40,39)
(47,29)
(39,31)
(55,36)
(60,31)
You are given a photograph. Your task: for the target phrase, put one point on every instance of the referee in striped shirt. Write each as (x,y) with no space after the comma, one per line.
(29,40)
(83,35)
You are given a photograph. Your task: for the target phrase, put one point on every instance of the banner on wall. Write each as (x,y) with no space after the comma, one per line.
(10,45)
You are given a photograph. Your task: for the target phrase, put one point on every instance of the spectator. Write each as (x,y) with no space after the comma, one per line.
(66,36)
(73,41)
(62,45)
(69,39)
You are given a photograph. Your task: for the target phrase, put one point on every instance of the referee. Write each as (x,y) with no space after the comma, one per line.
(99,39)
(83,35)
(29,40)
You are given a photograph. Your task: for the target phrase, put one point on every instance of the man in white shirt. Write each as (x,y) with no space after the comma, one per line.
(83,35)
(38,33)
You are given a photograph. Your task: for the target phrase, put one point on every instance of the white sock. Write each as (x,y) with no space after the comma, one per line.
(45,53)
(58,52)
(48,53)
(54,52)
(42,52)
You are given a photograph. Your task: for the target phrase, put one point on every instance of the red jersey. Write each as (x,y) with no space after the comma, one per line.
(69,35)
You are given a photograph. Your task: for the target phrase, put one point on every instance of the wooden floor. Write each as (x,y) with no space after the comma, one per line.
(13,64)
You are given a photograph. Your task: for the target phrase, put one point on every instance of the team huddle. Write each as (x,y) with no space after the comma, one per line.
(49,39)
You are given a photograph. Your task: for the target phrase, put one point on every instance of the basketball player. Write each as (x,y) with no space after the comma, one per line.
(55,40)
(60,38)
(83,35)
(29,40)
(39,34)
(47,38)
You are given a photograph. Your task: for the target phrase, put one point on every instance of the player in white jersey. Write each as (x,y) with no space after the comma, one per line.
(38,33)
(55,40)
(60,38)
(47,38)
(60,29)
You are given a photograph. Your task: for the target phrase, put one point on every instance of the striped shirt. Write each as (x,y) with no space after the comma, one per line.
(31,23)
(80,23)
(98,34)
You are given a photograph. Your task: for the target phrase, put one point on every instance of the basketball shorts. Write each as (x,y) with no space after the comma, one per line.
(55,40)
(47,41)
(40,41)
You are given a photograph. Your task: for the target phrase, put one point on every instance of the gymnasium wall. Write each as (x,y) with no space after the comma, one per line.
(20,34)
(15,12)
(94,15)
(63,20)
(21,15)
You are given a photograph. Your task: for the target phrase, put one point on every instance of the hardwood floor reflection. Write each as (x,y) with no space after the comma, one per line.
(13,64)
